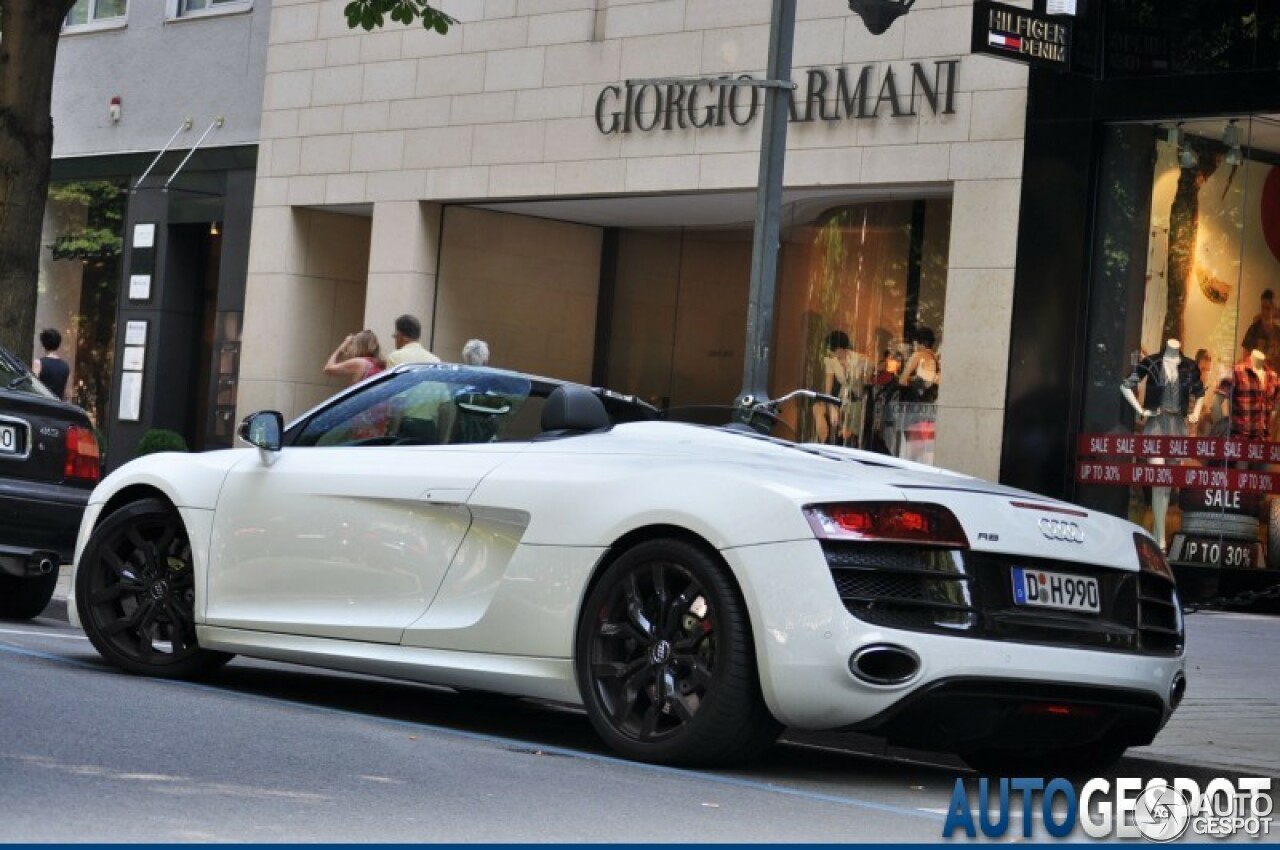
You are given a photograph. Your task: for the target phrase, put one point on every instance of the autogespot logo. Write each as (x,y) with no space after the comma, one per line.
(1061,529)
(1158,810)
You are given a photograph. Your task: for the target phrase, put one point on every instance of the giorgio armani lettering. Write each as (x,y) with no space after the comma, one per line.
(836,94)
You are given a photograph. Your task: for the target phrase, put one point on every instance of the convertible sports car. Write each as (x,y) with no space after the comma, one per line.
(695,588)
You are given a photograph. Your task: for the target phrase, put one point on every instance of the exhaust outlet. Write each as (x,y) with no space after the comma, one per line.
(1177,691)
(884,664)
(41,565)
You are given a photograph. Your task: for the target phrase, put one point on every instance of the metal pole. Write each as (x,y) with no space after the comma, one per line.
(217,122)
(185,125)
(765,240)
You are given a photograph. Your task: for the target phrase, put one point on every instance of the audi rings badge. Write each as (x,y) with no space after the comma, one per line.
(1059,529)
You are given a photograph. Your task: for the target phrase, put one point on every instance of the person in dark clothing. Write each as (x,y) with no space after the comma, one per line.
(51,369)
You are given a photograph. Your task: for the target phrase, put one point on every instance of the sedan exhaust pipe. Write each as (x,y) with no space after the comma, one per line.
(884,664)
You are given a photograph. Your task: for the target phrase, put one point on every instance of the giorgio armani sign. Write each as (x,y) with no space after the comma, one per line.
(835,94)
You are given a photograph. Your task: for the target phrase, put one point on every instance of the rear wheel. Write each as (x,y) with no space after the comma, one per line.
(135,592)
(24,597)
(665,660)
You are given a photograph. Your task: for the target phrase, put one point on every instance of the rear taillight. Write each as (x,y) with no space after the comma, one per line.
(1150,558)
(889,522)
(82,455)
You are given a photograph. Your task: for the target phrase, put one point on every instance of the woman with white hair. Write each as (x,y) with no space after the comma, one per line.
(475,353)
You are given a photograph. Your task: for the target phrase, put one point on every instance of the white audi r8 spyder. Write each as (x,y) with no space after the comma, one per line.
(696,588)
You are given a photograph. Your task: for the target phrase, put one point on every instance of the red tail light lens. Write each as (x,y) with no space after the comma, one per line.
(892,522)
(82,455)
(1150,558)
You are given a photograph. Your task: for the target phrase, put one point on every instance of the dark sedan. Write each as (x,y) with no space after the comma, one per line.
(48,465)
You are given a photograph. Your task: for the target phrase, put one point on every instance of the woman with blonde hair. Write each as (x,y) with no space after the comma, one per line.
(358,357)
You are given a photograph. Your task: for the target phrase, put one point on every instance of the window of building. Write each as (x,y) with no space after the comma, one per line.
(89,12)
(189,8)
(1184,339)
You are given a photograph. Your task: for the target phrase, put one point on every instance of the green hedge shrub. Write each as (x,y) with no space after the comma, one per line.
(161,440)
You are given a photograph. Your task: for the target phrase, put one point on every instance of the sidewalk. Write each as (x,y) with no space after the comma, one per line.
(1230,717)
(1229,720)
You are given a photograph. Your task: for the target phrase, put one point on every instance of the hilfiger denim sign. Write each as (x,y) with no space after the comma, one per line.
(1022,35)
(835,94)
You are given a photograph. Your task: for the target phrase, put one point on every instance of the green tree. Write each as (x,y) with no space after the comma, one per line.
(27,53)
(368,14)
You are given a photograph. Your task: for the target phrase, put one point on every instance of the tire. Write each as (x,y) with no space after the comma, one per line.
(665,660)
(24,597)
(1273,533)
(135,593)
(1230,526)
(1089,760)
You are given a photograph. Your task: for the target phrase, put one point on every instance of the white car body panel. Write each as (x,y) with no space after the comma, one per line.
(468,565)
(340,542)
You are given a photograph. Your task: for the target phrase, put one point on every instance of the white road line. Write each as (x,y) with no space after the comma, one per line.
(42,634)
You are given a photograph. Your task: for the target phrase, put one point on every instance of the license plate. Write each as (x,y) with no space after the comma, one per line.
(1044,589)
(10,439)
(1213,551)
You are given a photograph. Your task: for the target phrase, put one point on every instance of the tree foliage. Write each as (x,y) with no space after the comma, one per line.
(368,14)
(100,237)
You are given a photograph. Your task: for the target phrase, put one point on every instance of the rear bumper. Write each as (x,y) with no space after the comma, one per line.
(37,517)
(958,714)
(805,640)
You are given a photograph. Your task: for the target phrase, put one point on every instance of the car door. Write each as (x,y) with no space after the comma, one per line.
(344,542)
(343,534)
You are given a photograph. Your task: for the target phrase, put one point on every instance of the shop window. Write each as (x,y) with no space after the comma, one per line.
(79,281)
(870,278)
(1184,340)
(861,319)
(86,13)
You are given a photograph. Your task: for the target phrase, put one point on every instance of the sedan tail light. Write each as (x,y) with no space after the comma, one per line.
(82,455)
(887,522)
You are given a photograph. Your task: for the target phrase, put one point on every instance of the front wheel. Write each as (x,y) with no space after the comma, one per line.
(135,593)
(665,660)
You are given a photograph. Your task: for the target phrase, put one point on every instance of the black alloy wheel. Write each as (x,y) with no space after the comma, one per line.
(665,661)
(135,593)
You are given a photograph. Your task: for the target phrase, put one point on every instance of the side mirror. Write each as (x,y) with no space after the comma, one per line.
(263,429)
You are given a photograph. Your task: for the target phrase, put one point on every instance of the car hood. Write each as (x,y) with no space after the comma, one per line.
(996,518)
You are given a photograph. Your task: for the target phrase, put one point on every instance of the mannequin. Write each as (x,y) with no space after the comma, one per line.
(1172,398)
(1250,393)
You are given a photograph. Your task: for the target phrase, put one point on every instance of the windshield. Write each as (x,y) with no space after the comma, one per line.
(16,377)
(429,406)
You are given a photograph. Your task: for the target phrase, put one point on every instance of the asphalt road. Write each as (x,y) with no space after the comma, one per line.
(265,752)
(271,753)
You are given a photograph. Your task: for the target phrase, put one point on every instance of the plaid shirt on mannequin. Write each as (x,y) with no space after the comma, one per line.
(1252,400)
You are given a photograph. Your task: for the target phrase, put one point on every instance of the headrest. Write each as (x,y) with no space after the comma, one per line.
(573,408)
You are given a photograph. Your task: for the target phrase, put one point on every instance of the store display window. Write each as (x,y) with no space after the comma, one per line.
(1179,427)
(859,315)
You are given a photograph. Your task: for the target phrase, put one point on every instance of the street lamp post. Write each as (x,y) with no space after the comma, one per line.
(878,16)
